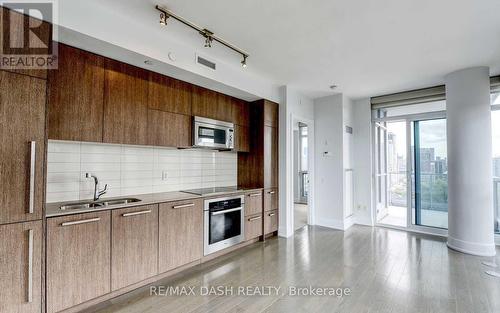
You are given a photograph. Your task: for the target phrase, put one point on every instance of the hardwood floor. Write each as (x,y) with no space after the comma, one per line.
(386,271)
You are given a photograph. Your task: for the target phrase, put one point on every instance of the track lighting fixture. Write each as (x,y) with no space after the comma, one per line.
(163,19)
(209,36)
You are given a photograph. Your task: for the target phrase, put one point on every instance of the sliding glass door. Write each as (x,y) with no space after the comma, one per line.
(430,173)
(411,168)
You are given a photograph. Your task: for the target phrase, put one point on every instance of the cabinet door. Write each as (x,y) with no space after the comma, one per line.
(76,91)
(22,147)
(253,226)
(270,113)
(270,157)
(20,267)
(125,103)
(169,94)
(271,199)
(78,259)
(253,203)
(242,138)
(241,112)
(210,104)
(180,233)
(134,248)
(270,222)
(169,129)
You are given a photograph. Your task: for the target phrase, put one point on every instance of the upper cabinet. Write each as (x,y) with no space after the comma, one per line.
(270,113)
(270,157)
(169,129)
(76,92)
(169,94)
(241,112)
(208,103)
(125,104)
(22,147)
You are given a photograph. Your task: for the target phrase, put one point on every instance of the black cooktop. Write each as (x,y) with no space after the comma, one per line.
(208,191)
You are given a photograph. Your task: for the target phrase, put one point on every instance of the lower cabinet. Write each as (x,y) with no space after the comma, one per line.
(270,222)
(78,259)
(134,245)
(253,226)
(20,267)
(271,199)
(253,203)
(180,233)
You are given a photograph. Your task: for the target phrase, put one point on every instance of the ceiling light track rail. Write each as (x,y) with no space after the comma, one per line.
(207,34)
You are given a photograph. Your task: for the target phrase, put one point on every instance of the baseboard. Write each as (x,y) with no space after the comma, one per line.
(474,248)
(330,223)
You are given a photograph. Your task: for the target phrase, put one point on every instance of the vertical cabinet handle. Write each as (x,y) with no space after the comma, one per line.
(30,267)
(32,177)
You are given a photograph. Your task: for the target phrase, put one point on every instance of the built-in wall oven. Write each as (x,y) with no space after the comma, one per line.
(208,133)
(224,223)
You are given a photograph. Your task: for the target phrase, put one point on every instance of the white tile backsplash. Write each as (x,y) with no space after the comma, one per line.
(132,170)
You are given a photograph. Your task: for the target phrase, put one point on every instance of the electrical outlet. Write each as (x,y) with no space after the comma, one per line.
(164,175)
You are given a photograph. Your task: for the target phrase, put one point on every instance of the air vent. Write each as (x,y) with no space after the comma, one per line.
(204,62)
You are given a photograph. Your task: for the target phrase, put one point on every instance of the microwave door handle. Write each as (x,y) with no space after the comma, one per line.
(226,211)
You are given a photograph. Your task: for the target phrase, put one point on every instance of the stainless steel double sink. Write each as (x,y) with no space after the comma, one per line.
(97,204)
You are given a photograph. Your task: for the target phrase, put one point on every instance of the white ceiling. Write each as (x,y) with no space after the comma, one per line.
(367,47)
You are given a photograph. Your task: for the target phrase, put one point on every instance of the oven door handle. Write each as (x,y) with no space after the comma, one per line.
(226,211)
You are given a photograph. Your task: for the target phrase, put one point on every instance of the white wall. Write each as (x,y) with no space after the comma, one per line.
(132,170)
(329,168)
(295,107)
(362,159)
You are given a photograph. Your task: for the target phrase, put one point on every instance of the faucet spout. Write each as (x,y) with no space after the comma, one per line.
(97,193)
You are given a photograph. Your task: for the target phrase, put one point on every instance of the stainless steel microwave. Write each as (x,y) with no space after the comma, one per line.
(214,134)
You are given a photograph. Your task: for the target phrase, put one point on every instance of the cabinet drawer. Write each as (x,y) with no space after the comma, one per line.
(253,203)
(180,233)
(78,259)
(134,249)
(253,226)
(271,199)
(270,222)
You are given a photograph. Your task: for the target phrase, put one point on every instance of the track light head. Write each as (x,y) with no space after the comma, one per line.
(163,19)
(208,42)
(208,37)
(244,61)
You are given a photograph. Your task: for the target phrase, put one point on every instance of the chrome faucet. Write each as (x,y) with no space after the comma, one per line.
(97,193)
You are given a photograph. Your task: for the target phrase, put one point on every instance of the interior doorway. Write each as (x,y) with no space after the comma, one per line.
(301,174)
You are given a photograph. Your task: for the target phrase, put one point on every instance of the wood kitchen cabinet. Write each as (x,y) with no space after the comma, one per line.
(253,226)
(169,129)
(271,199)
(242,138)
(169,94)
(180,233)
(134,245)
(210,104)
(241,112)
(270,114)
(76,91)
(270,222)
(20,267)
(22,147)
(125,104)
(253,203)
(78,259)
(270,157)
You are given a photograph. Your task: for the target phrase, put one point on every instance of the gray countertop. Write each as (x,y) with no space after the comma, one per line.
(54,209)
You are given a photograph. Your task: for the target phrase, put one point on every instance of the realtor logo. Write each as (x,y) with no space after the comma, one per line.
(28,35)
